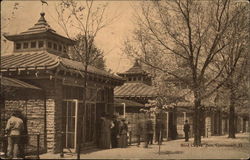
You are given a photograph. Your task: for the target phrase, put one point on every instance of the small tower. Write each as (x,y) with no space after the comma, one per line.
(41,37)
(136,74)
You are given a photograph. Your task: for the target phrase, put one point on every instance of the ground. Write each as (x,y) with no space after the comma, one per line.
(216,147)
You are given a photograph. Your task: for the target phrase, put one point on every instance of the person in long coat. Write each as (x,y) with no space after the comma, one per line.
(123,129)
(159,127)
(114,132)
(186,129)
(139,131)
(106,125)
(148,132)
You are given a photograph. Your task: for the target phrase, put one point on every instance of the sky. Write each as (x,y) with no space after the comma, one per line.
(110,39)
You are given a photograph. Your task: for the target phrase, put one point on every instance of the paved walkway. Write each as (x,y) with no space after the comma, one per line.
(216,147)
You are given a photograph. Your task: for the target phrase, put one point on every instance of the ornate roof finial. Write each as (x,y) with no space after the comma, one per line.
(42,14)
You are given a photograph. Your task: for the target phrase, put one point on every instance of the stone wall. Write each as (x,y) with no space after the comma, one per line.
(34,111)
(50,125)
(53,94)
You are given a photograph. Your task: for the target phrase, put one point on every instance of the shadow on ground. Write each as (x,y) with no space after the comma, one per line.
(171,152)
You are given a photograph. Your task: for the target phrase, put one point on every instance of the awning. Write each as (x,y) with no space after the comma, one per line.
(11,82)
(128,103)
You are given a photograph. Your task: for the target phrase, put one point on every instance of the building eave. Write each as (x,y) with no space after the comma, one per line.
(45,34)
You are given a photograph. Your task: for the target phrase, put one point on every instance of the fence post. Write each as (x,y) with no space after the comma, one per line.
(38,146)
(5,143)
(62,142)
(207,132)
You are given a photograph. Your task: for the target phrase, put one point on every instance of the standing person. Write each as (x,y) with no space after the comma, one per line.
(106,125)
(99,128)
(14,128)
(123,129)
(159,127)
(148,132)
(139,131)
(114,132)
(24,134)
(186,129)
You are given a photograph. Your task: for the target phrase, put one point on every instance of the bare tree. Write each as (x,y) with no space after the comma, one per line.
(86,19)
(96,59)
(236,65)
(186,35)
(5,22)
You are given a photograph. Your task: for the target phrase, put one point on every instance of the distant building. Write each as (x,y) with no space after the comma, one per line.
(40,60)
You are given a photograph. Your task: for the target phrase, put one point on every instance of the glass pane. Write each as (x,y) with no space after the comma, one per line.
(70,140)
(25,45)
(72,125)
(18,45)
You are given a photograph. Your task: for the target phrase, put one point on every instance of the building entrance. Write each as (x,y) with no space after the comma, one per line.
(69,122)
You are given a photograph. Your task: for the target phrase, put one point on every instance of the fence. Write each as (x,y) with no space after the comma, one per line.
(30,146)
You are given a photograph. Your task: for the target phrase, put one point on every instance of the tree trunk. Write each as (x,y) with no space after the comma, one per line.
(80,125)
(197,121)
(231,133)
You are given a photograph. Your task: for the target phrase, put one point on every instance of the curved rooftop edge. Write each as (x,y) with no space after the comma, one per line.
(44,60)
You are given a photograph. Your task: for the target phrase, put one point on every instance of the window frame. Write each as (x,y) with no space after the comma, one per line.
(39,42)
(32,42)
(55,46)
(18,44)
(27,45)
(49,44)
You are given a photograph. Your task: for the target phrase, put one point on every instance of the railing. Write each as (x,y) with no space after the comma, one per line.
(31,148)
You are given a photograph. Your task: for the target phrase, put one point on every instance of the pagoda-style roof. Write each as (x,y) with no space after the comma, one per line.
(135,69)
(42,30)
(135,90)
(11,82)
(42,60)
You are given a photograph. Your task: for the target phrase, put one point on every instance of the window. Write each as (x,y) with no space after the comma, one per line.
(18,45)
(49,45)
(64,49)
(60,48)
(134,78)
(25,45)
(33,44)
(40,44)
(139,78)
(129,79)
(55,46)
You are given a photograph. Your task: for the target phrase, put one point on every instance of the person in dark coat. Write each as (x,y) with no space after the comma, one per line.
(139,131)
(114,132)
(149,132)
(186,129)
(105,139)
(123,130)
(159,127)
